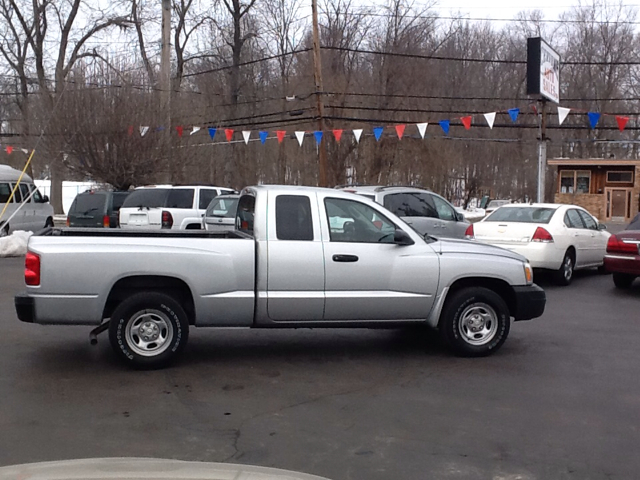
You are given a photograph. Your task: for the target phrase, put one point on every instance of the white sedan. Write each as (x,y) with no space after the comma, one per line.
(552,236)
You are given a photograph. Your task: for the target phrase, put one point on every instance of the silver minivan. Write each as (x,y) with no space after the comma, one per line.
(28,209)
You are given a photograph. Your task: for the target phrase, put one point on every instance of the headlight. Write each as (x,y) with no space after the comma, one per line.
(528,273)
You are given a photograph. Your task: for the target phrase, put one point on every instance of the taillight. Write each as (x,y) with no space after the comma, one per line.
(105,221)
(615,245)
(32,269)
(542,235)
(167,219)
(468,233)
(68,222)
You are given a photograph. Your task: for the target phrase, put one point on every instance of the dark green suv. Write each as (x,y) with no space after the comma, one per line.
(96,209)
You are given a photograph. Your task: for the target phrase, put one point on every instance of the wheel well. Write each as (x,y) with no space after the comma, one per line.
(572,250)
(194,226)
(174,287)
(500,287)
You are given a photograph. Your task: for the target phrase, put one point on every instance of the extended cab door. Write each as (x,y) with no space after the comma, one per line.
(368,276)
(295,271)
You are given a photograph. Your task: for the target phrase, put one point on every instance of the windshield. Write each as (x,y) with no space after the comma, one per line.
(222,207)
(147,197)
(497,203)
(522,215)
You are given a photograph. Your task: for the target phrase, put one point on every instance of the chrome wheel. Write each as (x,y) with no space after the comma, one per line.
(478,324)
(149,332)
(567,268)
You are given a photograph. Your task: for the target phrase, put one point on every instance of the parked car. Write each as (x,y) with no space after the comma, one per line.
(556,237)
(28,209)
(284,267)
(426,211)
(168,207)
(96,209)
(494,204)
(623,254)
(221,213)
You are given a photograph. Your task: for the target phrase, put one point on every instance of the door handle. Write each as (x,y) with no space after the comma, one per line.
(345,258)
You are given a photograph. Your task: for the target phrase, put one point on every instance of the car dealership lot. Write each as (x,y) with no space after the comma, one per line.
(559,400)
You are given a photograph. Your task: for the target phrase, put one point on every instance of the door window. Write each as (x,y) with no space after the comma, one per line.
(293,218)
(351,221)
(180,198)
(5,192)
(37,198)
(206,195)
(445,212)
(572,219)
(24,190)
(411,204)
(17,197)
(588,220)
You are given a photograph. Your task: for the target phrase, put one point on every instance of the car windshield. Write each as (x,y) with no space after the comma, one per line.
(147,197)
(522,215)
(87,203)
(497,203)
(222,207)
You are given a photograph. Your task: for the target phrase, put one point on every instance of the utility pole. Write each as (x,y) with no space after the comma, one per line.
(165,77)
(322,152)
(542,152)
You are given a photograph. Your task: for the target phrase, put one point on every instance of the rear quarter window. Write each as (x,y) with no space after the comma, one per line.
(180,198)
(245,214)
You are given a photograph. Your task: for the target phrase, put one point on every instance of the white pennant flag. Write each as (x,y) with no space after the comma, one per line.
(195,129)
(422,128)
(246,134)
(300,137)
(357,133)
(25,151)
(143,131)
(562,114)
(490,118)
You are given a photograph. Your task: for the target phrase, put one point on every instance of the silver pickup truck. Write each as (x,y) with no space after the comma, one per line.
(299,257)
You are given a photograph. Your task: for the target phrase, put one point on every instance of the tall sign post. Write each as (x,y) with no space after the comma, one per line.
(543,80)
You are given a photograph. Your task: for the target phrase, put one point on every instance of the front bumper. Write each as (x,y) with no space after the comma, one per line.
(530,302)
(25,308)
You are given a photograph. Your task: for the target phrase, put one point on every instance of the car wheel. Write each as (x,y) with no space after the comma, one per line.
(48,223)
(4,231)
(475,322)
(623,280)
(564,274)
(148,330)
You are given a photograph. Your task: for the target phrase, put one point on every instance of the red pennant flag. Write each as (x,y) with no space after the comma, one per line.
(400,130)
(280,134)
(622,122)
(466,121)
(9,149)
(338,134)
(229,134)
(179,130)
(130,130)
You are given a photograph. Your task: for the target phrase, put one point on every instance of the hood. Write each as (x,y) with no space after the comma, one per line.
(450,245)
(145,468)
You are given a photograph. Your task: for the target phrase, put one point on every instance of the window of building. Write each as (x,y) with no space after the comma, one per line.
(575,181)
(619,177)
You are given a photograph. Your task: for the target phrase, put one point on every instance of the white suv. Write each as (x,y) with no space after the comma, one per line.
(168,207)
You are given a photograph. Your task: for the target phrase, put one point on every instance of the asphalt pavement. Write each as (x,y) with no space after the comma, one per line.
(560,400)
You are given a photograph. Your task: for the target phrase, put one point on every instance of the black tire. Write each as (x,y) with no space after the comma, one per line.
(48,223)
(4,231)
(623,280)
(564,274)
(160,317)
(466,316)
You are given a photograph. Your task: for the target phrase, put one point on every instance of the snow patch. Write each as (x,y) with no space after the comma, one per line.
(15,244)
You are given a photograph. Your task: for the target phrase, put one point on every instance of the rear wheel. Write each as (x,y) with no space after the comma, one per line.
(4,231)
(623,280)
(475,322)
(148,330)
(564,274)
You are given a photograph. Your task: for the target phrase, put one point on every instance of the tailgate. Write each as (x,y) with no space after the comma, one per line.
(504,233)
(141,217)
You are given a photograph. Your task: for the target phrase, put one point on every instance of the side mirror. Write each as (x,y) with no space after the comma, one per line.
(459,217)
(45,199)
(400,237)
(602,226)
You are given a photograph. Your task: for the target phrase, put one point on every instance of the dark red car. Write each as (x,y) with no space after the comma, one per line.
(623,255)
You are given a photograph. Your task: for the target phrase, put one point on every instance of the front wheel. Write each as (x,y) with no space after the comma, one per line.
(475,322)
(623,280)
(148,330)
(4,231)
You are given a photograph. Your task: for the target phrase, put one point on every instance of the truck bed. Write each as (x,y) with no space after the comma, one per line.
(117,232)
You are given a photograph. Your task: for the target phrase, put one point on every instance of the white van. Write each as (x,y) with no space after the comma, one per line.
(35,214)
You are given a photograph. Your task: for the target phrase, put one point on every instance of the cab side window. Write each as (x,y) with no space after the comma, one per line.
(293,218)
(355,222)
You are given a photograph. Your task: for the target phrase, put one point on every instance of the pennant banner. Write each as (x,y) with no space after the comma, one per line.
(212,132)
(622,122)
(143,131)
(377,132)
(179,129)
(444,124)
(228,132)
(422,129)
(300,137)
(246,134)
(562,114)
(263,136)
(337,133)
(490,118)
(194,130)
(513,113)
(593,119)
(130,130)
(318,135)
(25,151)
(357,133)
(9,149)
(400,131)
(280,134)
(466,121)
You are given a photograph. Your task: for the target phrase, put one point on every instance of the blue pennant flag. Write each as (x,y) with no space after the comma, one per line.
(513,113)
(445,126)
(159,129)
(212,132)
(318,135)
(593,119)
(377,132)
(263,136)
